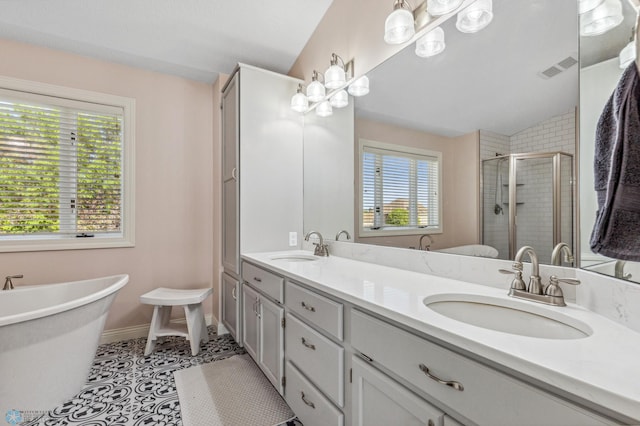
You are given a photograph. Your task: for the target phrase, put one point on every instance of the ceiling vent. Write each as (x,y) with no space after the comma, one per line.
(558,68)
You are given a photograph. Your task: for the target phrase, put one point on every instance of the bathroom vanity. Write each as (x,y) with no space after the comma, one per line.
(363,346)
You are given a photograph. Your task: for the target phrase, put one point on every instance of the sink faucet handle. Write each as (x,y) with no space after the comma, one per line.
(518,282)
(554,291)
(8,284)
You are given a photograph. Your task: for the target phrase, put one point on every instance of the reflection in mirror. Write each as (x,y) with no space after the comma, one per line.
(511,88)
(600,71)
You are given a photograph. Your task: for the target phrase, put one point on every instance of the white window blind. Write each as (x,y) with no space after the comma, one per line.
(61,167)
(400,189)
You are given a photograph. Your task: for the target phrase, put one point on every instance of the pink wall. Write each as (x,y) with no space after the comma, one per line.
(175,154)
(460,174)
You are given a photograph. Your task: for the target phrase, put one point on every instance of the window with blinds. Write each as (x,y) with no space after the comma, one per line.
(400,189)
(62,170)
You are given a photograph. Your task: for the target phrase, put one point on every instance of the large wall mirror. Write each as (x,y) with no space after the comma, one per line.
(500,106)
(600,71)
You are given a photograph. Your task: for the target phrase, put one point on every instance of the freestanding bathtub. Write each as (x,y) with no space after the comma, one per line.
(48,340)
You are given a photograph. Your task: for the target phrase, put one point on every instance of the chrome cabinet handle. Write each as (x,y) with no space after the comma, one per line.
(308,345)
(456,385)
(234,293)
(304,399)
(308,307)
(258,280)
(234,173)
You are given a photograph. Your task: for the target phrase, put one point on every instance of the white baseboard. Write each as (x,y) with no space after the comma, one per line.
(222,329)
(136,331)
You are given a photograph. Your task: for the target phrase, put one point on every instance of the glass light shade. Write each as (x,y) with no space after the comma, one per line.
(299,102)
(475,17)
(340,99)
(360,87)
(587,5)
(431,43)
(334,77)
(601,19)
(315,91)
(399,26)
(442,7)
(324,109)
(627,54)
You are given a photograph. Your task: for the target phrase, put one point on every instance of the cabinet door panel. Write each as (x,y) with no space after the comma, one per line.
(230,142)
(230,305)
(230,228)
(271,349)
(250,320)
(380,401)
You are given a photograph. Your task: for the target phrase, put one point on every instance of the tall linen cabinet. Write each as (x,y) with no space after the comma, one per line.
(262,179)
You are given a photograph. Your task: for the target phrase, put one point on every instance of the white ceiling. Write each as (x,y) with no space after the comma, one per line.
(195,39)
(488,80)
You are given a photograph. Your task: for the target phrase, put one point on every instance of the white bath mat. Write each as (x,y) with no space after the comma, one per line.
(231,392)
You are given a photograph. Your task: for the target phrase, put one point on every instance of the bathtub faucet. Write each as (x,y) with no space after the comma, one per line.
(8,284)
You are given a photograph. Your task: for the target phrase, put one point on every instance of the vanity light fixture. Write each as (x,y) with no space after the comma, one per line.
(340,99)
(442,7)
(335,76)
(360,87)
(601,19)
(324,109)
(475,17)
(431,43)
(299,101)
(315,90)
(399,26)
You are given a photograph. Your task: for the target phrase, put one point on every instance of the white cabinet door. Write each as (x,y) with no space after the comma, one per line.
(231,305)
(230,183)
(379,400)
(271,342)
(250,300)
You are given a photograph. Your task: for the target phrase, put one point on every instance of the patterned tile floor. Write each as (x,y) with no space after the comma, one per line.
(128,389)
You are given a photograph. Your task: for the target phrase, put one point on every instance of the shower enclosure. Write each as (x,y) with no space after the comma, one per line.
(528,199)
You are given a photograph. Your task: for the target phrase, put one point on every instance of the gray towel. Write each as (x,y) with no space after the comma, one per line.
(616,232)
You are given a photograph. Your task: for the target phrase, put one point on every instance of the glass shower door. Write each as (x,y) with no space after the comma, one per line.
(532,194)
(495,204)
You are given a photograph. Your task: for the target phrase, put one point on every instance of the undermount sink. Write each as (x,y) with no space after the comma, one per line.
(508,316)
(295,258)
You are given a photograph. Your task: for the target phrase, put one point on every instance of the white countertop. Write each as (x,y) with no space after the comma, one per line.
(603,368)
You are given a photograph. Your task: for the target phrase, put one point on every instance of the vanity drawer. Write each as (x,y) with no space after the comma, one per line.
(317,309)
(321,360)
(311,407)
(411,358)
(264,281)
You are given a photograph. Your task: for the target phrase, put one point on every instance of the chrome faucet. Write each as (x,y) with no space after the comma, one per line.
(345,232)
(8,284)
(321,248)
(552,294)
(428,246)
(619,270)
(557,252)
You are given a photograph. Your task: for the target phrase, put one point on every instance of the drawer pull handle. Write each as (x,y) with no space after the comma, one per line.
(233,293)
(256,279)
(308,307)
(308,345)
(455,385)
(309,403)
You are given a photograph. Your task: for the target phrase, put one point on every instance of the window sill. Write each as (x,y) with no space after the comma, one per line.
(364,233)
(9,246)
